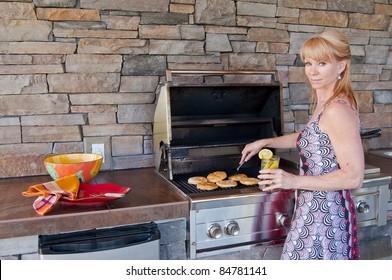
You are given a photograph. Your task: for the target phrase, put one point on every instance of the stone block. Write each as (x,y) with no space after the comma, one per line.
(11,105)
(180,47)
(139,83)
(93,109)
(55,3)
(364,101)
(26,148)
(17,10)
(383,9)
(189,32)
(181,8)
(90,63)
(43,134)
(16,165)
(383,97)
(256,9)
(84,82)
(144,65)
(268,35)
(215,12)
(25,30)
(299,94)
(30,69)
(118,129)
(251,21)
(242,46)
(83,25)
(354,6)
(121,22)
(127,145)
(163,18)
(37,48)
(323,18)
(159,32)
(23,84)
(113,98)
(68,147)
(250,61)
(372,120)
(127,162)
(10,135)
(301,116)
(287,12)
(58,14)
(141,113)
(297,75)
(217,43)
(60,119)
(113,46)
(132,5)
(304,4)
(102,118)
(369,22)
(376,54)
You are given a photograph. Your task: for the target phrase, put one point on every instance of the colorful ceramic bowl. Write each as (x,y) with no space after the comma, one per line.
(85,166)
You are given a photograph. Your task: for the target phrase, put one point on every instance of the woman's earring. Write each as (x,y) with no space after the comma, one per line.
(339,77)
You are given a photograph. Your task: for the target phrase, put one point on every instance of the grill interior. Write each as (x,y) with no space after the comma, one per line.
(181,181)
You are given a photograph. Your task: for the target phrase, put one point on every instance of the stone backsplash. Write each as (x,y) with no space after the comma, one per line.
(74,72)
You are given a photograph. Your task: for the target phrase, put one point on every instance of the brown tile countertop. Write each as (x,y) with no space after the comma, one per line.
(152,198)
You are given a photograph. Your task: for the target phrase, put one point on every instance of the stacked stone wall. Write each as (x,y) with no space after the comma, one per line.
(80,71)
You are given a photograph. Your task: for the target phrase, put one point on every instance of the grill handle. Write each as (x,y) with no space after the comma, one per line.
(274,74)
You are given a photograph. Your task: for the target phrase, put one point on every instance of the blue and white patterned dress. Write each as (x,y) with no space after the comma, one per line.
(324,222)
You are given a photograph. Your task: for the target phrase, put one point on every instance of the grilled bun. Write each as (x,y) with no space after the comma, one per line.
(207,186)
(249,181)
(216,176)
(227,183)
(238,177)
(197,179)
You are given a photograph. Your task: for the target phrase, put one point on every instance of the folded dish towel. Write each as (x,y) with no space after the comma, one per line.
(50,192)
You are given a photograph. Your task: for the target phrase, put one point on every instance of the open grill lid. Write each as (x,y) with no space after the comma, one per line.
(209,109)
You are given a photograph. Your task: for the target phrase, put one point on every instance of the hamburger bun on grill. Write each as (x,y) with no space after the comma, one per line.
(238,177)
(197,179)
(207,186)
(216,176)
(227,183)
(249,181)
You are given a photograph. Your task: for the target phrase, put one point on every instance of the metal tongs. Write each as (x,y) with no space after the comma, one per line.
(371,133)
(240,165)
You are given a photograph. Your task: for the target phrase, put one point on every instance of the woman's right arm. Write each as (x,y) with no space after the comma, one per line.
(286,141)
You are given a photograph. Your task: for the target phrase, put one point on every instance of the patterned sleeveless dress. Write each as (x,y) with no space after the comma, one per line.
(324,222)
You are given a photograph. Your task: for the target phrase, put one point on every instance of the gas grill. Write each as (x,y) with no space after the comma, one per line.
(202,121)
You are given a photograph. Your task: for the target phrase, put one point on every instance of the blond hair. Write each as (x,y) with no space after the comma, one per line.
(328,46)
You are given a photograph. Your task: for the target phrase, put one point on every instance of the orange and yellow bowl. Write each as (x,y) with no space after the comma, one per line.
(84,166)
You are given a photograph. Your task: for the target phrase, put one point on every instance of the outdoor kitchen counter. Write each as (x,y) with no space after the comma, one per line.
(152,198)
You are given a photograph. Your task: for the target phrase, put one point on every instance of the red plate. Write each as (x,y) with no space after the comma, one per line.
(97,193)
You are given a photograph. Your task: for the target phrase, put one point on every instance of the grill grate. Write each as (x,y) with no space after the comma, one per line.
(181,181)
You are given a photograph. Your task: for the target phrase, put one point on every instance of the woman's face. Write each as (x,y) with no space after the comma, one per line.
(323,75)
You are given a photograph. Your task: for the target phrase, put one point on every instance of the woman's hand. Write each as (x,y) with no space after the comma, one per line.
(272,179)
(251,149)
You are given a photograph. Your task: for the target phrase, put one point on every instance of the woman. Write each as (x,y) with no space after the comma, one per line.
(331,157)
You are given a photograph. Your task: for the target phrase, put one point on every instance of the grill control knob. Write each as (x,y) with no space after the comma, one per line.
(232,228)
(363,207)
(214,231)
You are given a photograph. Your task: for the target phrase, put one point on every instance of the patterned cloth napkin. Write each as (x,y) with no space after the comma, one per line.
(50,192)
